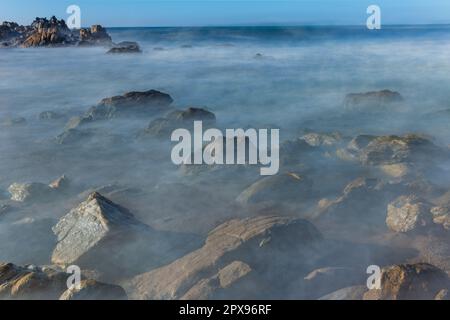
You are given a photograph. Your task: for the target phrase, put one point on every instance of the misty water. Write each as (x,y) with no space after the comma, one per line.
(294,79)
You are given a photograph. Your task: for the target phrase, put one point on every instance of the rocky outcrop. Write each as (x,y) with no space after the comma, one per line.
(99,234)
(95,36)
(49,33)
(284,187)
(371,101)
(408,213)
(44,283)
(163,127)
(239,259)
(125,47)
(420,281)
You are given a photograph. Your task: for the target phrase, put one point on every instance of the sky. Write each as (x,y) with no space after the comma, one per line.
(153,13)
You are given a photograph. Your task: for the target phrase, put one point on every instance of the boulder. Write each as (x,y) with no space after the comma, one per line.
(44,283)
(125,47)
(371,101)
(223,267)
(408,213)
(89,234)
(147,103)
(92,290)
(421,281)
(283,187)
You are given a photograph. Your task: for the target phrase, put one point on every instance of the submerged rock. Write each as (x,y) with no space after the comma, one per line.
(50,115)
(285,187)
(408,213)
(13,121)
(22,192)
(72,136)
(44,283)
(371,101)
(163,127)
(421,281)
(223,267)
(125,47)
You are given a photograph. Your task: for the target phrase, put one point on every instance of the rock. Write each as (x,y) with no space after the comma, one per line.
(89,233)
(13,122)
(70,136)
(396,170)
(371,101)
(163,127)
(137,104)
(283,187)
(43,283)
(421,281)
(33,191)
(441,215)
(77,121)
(323,280)
(221,268)
(411,148)
(354,148)
(61,184)
(322,139)
(50,115)
(93,290)
(408,213)
(49,33)
(349,293)
(442,295)
(94,36)
(125,47)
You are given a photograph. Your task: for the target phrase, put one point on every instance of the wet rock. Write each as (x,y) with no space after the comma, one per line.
(349,293)
(61,184)
(221,268)
(49,33)
(93,290)
(354,147)
(78,121)
(33,191)
(89,233)
(408,213)
(371,101)
(421,281)
(70,136)
(50,115)
(284,187)
(43,283)
(94,36)
(125,47)
(163,127)
(442,295)
(396,170)
(324,280)
(147,103)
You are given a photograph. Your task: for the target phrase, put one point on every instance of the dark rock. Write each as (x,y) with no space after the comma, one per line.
(371,101)
(125,47)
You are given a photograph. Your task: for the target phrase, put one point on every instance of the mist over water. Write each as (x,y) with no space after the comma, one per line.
(294,79)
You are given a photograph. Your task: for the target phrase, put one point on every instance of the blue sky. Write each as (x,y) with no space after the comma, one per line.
(232,12)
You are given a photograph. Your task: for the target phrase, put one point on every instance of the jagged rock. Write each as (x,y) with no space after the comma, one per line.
(371,101)
(33,191)
(52,32)
(349,293)
(147,103)
(93,290)
(44,283)
(94,36)
(180,119)
(409,282)
(125,47)
(408,213)
(89,233)
(13,121)
(222,267)
(50,115)
(290,187)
